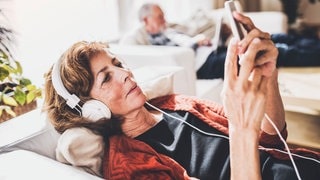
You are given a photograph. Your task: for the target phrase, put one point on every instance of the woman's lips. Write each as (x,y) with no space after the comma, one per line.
(134,89)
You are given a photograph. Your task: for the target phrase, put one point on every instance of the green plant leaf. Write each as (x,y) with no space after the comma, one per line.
(20,96)
(1,96)
(25,81)
(31,87)
(9,100)
(9,68)
(4,73)
(33,94)
(10,111)
(18,68)
(3,55)
(3,107)
(30,97)
(15,89)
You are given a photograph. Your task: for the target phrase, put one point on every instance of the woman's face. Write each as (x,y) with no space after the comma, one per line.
(114,85)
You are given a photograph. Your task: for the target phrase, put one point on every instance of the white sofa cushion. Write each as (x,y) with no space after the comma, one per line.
(22,164)
(156,81)
(270,21)
(30,131)
(162,56)
(82,148)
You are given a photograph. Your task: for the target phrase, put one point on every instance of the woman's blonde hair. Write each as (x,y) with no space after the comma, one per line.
(77,78)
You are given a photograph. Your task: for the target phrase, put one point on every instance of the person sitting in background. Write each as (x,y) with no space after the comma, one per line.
(187,137)
(155,32)
(295,50)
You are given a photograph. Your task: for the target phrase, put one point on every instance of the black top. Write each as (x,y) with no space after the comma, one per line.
(204,156)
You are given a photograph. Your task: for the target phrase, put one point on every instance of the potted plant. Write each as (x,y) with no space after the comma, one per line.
(17,94)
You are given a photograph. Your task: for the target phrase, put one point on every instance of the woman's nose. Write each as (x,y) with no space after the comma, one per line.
(125,74)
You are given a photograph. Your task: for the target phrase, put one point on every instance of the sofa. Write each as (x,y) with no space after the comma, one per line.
(28,142)
(27,150)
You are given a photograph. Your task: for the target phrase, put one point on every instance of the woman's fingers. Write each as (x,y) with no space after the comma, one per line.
(247,60)
(230,74)
(244,20)
(255,79)
(252,31)
(244,92)
(267,59)
(231,62)
(255,33)
(260,53)
(258,81)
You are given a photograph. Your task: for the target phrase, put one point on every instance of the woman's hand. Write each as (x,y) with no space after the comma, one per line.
(244,92)
(266,58)
(243,98)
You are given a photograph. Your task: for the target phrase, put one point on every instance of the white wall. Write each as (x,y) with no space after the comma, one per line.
(45,28)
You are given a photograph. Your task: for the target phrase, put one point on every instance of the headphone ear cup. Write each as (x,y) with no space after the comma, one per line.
(95,110)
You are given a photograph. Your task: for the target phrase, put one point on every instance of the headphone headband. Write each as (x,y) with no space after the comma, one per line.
(92,109)
(71,99)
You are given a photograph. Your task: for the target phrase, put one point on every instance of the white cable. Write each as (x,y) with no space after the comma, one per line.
(285,144)
(293,154)
(206,133)
(226,137)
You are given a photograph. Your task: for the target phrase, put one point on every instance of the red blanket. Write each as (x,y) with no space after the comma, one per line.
(127,158)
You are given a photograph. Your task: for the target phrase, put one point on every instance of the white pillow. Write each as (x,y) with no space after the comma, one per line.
(156,81)
(81,148)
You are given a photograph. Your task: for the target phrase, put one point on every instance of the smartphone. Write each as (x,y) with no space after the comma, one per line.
(234,24)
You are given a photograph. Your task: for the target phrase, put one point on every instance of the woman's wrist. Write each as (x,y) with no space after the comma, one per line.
(244,134)
(244,148)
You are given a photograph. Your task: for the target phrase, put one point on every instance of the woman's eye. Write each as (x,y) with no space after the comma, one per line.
(119,64)
(106,78)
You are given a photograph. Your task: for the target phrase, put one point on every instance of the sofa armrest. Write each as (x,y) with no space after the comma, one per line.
(22,164)
(30,131)
(136,56)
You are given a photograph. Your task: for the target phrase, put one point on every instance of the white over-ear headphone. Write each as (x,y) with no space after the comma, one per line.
(92,109)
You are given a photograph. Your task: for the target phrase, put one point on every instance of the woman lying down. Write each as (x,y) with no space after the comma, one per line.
(174,136)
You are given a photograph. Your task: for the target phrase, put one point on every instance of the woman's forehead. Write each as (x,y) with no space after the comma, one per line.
(103,57)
